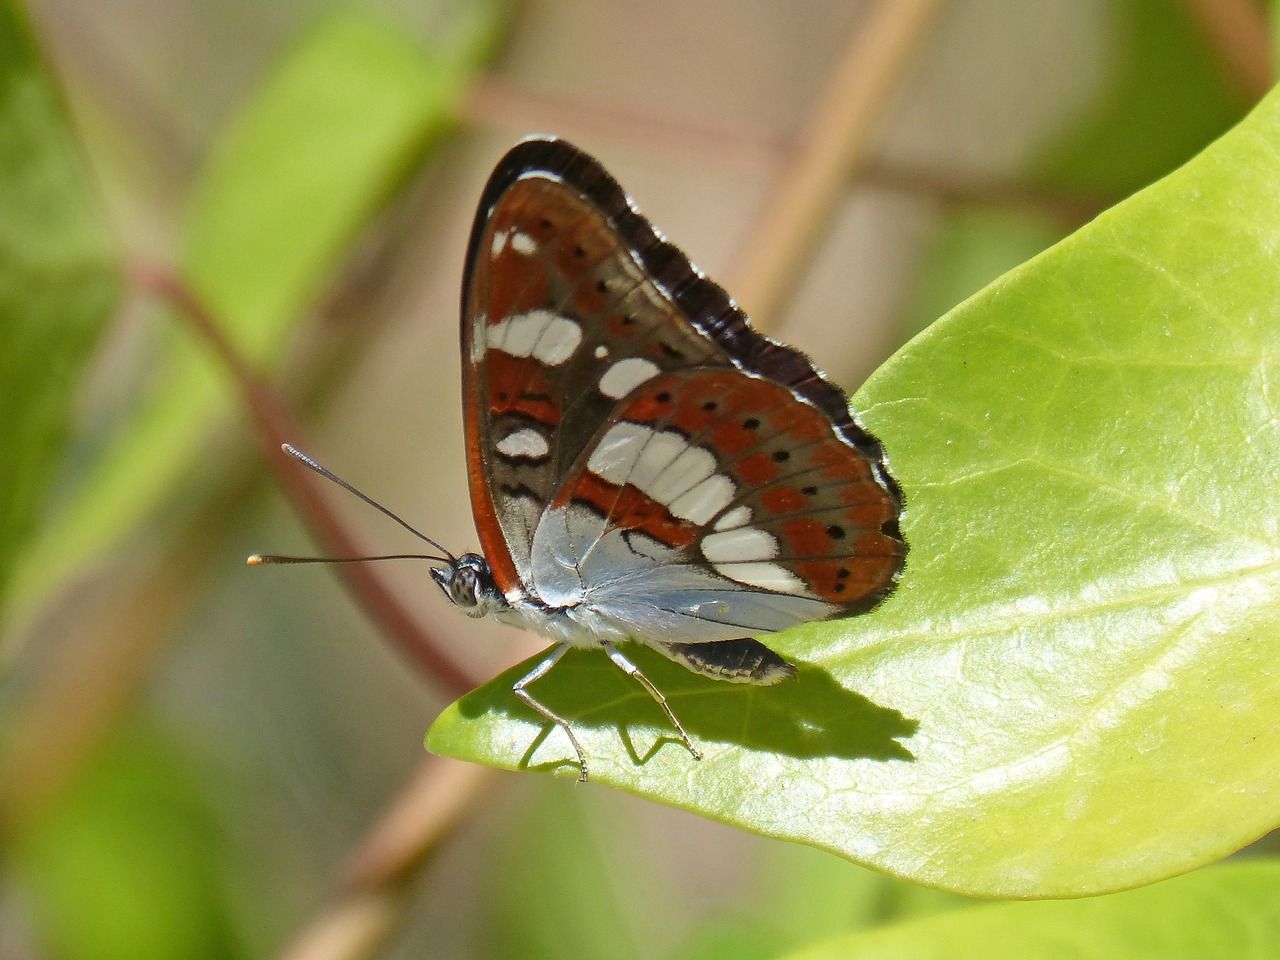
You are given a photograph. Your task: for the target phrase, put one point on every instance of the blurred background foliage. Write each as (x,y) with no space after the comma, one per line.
(191,750)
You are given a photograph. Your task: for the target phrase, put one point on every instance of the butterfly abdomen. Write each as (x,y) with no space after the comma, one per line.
(738,661)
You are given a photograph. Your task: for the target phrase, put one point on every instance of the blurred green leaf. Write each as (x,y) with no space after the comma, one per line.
(813,894)
(741,939)
(1273,20)
(1073,688)
(555,893)
(297,174)
(1166,97)
(1224,913)
(346,117)
(800,896)
(58,280)
(127,865)
(971,247)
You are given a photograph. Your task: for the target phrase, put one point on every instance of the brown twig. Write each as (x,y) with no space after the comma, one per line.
(1071,209)
(113,631)
(1239,33)
(273,428)
(374,882)
(494,103)
(833,143)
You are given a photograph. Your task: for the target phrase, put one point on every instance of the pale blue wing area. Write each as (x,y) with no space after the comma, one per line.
(647,591)
(654,610)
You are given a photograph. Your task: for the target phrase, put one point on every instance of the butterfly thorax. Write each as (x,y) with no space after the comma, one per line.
(469,584)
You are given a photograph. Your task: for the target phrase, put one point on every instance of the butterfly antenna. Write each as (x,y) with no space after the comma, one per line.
(334,478)
(258,559)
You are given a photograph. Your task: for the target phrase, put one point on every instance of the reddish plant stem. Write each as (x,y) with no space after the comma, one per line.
(495,103)
(1070,209)
(272,428)
(1241,38)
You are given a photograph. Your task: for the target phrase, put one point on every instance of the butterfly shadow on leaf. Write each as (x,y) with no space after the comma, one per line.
(808,716)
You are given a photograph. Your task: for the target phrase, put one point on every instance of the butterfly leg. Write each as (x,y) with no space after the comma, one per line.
(537,673)
(631,670)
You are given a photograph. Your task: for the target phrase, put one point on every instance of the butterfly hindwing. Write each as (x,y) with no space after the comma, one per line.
(734,473)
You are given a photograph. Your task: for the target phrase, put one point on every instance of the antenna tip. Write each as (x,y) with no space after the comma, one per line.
(289,449)
(254,561)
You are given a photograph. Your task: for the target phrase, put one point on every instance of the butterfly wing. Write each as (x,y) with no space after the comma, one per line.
(559,319)
(638,455)
(715,504)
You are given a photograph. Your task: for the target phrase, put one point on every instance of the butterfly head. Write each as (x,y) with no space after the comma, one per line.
(468,582)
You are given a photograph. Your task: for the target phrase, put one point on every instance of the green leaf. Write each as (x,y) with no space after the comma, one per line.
(556,869)
(739,939)
(811,894)
(343,120)
(1166,95)
(1073,690)
(58,281)
(1273,21)
(797,896)
(1226,913)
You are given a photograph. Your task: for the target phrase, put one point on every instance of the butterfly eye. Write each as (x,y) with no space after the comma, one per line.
(459,582)
(469,584)
(464,587)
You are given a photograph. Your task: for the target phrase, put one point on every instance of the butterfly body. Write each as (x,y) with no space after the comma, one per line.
(643,466)
(468,583)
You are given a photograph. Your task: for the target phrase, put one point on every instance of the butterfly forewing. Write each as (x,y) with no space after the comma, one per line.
(560,321)
(634,445)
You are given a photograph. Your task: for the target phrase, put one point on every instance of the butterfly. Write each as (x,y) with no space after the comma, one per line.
(643,466)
